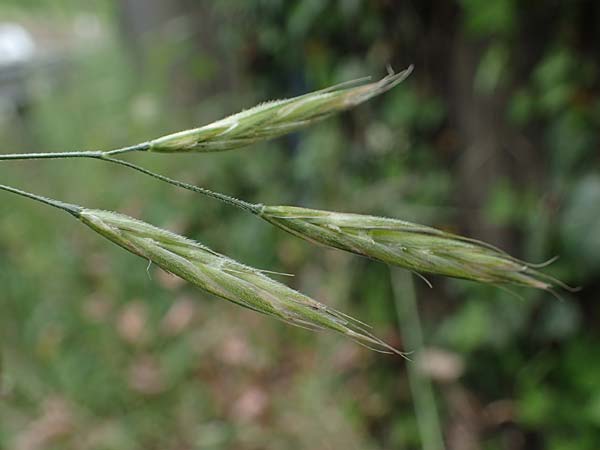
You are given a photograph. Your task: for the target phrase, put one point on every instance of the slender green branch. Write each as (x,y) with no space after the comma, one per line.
(251,207)
(71,209)
(142,147)
(83,154)
(19,156)
(106,156)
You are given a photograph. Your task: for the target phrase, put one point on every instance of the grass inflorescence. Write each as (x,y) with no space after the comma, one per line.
(225,277)
(418,248)
(415,247)
(274,118)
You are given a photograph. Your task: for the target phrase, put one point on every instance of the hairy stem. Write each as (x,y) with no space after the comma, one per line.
(71,209)
(251,207)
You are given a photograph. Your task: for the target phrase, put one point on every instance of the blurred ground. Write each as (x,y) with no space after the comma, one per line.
(495,135)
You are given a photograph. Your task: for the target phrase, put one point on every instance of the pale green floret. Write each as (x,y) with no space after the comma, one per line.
(224,277)
(415,247)
(273,119)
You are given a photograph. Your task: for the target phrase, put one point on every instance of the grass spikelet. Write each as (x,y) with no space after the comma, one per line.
(418,248)
(224,277)
(273,119)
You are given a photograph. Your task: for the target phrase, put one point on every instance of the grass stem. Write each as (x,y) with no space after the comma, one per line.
(83,154)
(251,207)
(420,385)
(107,156)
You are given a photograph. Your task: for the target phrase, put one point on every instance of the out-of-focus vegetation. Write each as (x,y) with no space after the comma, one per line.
(495,135)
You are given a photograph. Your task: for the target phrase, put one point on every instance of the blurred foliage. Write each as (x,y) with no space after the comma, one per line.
(100,352)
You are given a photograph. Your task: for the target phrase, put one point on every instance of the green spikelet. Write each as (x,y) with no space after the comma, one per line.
(224,277)
(415,247)
(273,119)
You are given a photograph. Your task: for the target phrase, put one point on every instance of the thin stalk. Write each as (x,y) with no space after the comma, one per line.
(106,156)
(83,154)
(71,209)
(420,386)
(251,207)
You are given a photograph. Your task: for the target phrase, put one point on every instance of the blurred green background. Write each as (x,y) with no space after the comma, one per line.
(495,135)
